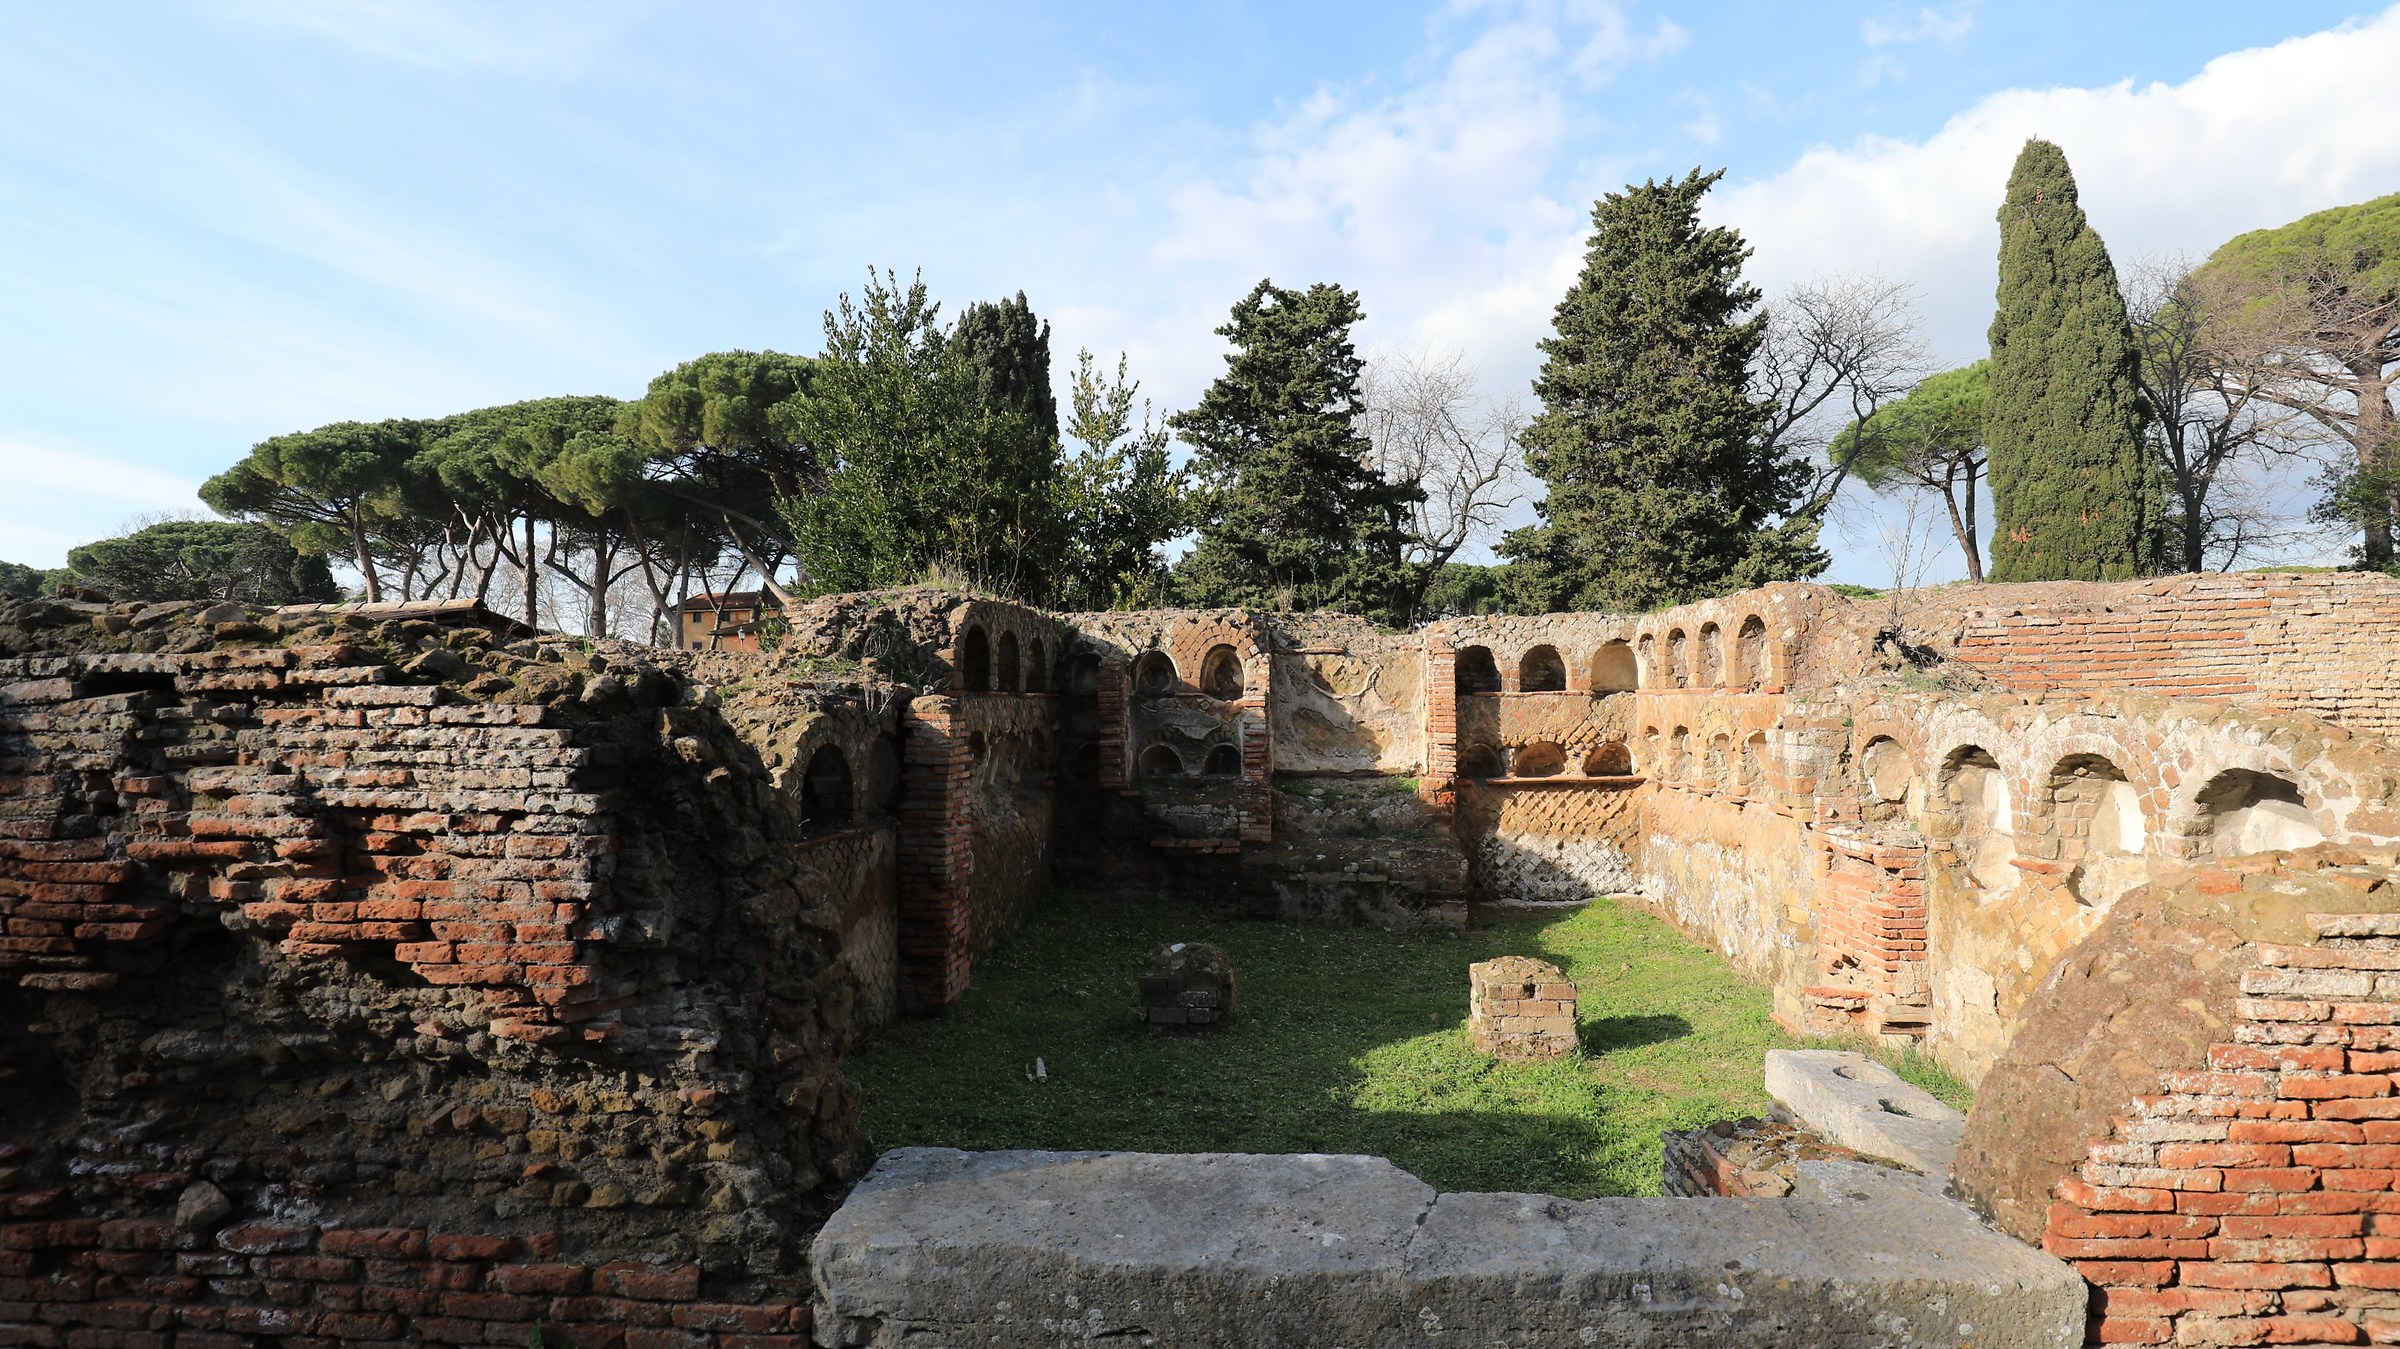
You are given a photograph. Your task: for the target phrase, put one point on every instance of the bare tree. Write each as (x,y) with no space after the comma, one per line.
(1837,348)
(1429,426)
(2212,428)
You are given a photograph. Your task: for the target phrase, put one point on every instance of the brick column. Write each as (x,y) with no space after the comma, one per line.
(1870,959)
(1441,719)
(936,852)
(1258,756)
(1115,737)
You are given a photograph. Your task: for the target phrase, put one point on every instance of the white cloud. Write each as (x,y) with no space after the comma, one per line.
(2257,138)
(58,498)
(1442,204)
(1928,25)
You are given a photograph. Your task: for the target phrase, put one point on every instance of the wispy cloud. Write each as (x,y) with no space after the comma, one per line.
(521,37)
(33,529)
(1927,25)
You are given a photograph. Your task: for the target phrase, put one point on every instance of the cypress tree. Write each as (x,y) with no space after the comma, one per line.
(2073,496)
(1298,516)
(1010,350)
(1662,486)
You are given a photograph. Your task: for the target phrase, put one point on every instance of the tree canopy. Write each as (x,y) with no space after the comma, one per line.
(918,469)
(209,560)
(1931,440)
(2314,313)
(1664,485)
(2073,497)
(1122,498)
(1297,516)
(325,490)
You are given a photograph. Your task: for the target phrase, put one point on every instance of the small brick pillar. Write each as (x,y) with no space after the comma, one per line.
(1521,1008)
(1186,985)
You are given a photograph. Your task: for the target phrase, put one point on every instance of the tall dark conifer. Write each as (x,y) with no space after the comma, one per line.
(1010,350)
(2073,497)
(1298,516)
(1662,488)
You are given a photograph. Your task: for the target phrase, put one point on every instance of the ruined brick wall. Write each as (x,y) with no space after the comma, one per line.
(2202,1111)
(316,927)
(2291,642)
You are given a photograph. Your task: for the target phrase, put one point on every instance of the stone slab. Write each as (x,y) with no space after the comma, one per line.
(1862,1105)
(938,1247)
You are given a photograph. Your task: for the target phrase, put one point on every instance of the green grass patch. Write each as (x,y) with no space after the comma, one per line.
(1348,1040)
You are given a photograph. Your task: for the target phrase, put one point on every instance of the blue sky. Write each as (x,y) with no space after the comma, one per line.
(220,221)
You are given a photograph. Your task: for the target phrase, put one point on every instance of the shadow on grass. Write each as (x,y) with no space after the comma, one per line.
(1345,1040)
(1625,1032)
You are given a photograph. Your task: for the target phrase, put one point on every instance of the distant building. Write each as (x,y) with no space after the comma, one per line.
(724,622)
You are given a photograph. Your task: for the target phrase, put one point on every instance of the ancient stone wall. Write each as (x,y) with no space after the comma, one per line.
(320,926)
(2314,643)
(2201,1111)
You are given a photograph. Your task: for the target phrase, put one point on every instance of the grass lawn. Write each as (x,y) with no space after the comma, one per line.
(1346,1040)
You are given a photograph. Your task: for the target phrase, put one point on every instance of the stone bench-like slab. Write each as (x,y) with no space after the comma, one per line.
(1852,1100)
(939,1247)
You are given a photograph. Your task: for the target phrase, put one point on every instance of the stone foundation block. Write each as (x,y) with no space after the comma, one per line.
(1521,1008)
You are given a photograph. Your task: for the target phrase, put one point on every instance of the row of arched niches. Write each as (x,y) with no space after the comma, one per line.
(1702,658)
(985,666)
(1188,723)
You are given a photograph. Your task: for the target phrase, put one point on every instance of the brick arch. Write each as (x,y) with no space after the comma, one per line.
(2043,748)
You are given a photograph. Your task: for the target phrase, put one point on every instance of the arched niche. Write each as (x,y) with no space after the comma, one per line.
(1708,664)
(1154,674)
(1541,759)
(1983,818)
(1223,761)
(1679,754)
(1541,671)
(1037,668)
(1006,676)
(1475,671)
(2096,817)
(827,797)
(1646,650)
(1750,654)
(1884,772)
(1614,670)
(975,661)
(1754,761)
(1221,673)
(1679,668)
(1479,761)
(1160,761)
(1610,760)
(2251,812)
(1719,768)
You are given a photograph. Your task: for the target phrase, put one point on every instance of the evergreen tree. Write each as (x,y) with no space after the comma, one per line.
(1123,498)
(204,560)
(1297,517)
(919,470)
(1663,484)
(2073,496)
(1010,351)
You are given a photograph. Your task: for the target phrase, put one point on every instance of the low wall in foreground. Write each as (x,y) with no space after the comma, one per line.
(1311,1252)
